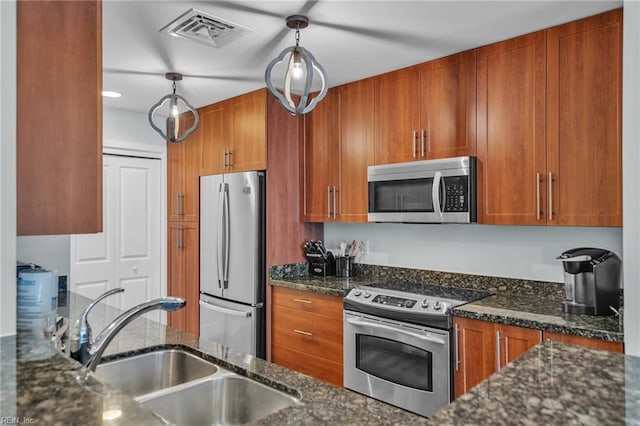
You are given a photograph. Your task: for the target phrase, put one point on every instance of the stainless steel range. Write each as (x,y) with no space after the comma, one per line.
(397,342)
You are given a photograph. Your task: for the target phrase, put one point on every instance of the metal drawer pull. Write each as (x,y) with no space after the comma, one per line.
(457,347)
(538,196)
(335,204)
(498,349)
(328,202)
(423,137)
(415,148)
(303,301)
(306,333)
(550,196)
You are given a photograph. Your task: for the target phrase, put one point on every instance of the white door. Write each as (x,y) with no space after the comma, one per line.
(127,253)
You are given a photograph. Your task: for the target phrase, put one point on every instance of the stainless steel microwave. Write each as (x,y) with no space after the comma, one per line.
(430,191)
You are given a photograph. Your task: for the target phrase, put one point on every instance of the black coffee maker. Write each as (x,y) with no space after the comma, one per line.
(592,281)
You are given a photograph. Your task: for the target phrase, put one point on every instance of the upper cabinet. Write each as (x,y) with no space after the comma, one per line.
(59,117)
(549,126)
(182,175)
(584,122)
(427,111)
(234,134)
(511,142)
(336,151)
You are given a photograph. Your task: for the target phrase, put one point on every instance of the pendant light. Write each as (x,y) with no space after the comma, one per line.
(169,112)
(296,82)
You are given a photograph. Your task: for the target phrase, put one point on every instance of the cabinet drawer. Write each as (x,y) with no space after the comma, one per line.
(322,304)
(313,334)
(319,368)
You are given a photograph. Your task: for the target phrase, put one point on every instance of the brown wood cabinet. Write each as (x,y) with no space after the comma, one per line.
(234,134)
(184,274)
(584,341)
(584,122)
(427,111)
(59,117)
(511,141)
(482,348)
(336,151)
(183,193)
(549,126)
(307,333)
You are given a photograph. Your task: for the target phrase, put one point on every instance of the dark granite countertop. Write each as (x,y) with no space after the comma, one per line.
(40,386)
(524,303)
(554,384)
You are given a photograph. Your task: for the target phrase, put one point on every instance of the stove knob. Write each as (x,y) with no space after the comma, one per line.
(357,292)
(424,303)
(437,306)
(367,294)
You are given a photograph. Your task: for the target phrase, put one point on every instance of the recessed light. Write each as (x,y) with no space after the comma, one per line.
(111,94)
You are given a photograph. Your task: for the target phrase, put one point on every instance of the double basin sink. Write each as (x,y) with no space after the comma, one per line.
(184,389)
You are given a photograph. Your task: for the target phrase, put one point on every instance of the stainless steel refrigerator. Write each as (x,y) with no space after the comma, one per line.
(232,260)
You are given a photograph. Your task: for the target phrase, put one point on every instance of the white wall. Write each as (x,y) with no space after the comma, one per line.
(526,252)
(7,167)
(631,160)
(48,251)
(122,130)
(129,130)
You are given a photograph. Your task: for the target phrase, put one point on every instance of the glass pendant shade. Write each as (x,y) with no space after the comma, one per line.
(295,77)
(172,116)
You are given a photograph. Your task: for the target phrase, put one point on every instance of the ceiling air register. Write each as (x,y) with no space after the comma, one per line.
(296,83)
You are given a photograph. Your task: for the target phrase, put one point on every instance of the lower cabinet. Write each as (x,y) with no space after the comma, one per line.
(584,341)
(307,333)
(482,348)
(184,274)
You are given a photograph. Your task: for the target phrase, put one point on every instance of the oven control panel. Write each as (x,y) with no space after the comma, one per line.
(396,301)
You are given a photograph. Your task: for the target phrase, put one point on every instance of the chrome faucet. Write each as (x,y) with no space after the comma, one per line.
(88,351)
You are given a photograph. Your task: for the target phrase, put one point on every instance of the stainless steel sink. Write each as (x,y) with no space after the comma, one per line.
(184,389)
(153,371)
(227,400)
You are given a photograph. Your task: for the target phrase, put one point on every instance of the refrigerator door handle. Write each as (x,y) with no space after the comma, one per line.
(219,260)
(226,311)
(227,236)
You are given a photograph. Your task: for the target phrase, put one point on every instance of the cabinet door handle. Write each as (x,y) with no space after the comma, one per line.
(550,196)
(226,159)
(308,302)
(415,141)
(328,202)
(305,333)
(498,349)
(229,154)
(423,139)
(538,196)
(180,238)
(335,203)
(457,343)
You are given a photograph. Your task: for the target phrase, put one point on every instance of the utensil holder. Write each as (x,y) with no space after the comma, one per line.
(344,266)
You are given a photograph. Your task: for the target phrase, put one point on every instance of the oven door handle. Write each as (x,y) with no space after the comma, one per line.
(363,323)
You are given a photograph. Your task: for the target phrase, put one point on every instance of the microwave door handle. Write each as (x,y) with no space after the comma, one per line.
(435,193)
(373,325)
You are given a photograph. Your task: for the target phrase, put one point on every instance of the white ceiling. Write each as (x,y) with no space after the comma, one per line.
(351,39)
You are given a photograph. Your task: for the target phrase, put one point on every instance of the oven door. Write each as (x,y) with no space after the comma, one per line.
(401,364)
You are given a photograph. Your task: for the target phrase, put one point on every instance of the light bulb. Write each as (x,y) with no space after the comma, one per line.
(297,72)
(174,111)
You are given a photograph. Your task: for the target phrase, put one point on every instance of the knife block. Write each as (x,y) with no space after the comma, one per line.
(321,266)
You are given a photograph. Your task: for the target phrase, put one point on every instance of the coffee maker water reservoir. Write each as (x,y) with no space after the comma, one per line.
(592,281)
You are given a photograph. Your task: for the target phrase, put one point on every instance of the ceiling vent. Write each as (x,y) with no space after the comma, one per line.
(208,29)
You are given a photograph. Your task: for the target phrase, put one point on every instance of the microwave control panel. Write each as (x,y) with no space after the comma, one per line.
(456,194)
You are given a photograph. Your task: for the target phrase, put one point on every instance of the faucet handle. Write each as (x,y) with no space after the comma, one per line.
(81,335)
